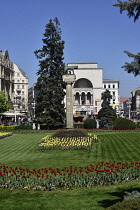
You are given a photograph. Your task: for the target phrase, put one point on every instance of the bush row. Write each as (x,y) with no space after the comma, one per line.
(128,204)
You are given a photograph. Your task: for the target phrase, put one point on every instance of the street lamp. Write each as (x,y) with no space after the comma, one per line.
(33,106)
(129,107)
(15,107)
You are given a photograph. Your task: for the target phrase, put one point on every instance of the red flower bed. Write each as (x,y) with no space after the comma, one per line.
(103,173)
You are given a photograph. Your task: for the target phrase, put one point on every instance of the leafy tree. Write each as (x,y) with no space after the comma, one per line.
(133,10)
(49,104)
(3,102)
(107,111)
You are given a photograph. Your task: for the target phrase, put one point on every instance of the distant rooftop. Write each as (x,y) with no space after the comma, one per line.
(123,99)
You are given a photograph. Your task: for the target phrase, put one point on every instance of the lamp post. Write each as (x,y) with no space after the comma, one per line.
(129,108)
(15,107)
(33,106)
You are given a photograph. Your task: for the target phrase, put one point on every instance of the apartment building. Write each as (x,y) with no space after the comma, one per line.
(20,89)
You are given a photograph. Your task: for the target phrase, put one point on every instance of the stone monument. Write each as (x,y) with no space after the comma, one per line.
(69,78)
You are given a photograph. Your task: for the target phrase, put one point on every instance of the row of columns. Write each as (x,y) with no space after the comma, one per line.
(83,99)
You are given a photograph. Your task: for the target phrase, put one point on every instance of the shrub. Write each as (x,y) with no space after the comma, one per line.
(24,126)
(90,123)
(122,123)
(128,204)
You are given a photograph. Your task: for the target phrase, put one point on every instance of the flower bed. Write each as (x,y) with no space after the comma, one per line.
(66,143)
(8,127)
(70,177)
(5,134)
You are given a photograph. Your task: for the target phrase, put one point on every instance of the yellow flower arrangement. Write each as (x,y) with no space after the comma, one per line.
(67,142)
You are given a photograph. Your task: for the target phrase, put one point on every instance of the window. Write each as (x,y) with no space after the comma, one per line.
(18,74)
(22,81)
(105,86)
(113,86)
(18,80)
(113,93)
(22,86)
(22,92)
(113,101)
(108,86)
(18,86)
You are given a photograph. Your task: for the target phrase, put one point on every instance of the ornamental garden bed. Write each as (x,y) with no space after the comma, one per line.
(102,174)
(68,139)
(5,134)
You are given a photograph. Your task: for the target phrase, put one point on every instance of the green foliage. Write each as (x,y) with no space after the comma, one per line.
(100,113)
(23,126)
(133,9)
(107,111)
(129,205)
(122,123)
(70,133)
(3,102)
(49,84)
(90,123)
(134,66)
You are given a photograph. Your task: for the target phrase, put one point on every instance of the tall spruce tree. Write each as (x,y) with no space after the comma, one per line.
(133,10)
(107,111)
(50,86)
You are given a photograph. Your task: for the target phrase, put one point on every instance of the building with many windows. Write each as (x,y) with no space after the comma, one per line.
(113,87)
(88,87)
(20,89)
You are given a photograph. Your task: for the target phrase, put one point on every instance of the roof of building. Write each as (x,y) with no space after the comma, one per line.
(110,80)
(124,99)
(22,72)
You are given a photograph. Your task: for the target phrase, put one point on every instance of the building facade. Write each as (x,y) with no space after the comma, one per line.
(136,99)
(88,87)
(113,87)
(20,89)
(6,75)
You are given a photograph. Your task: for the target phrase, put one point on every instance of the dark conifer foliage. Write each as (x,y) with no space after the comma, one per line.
(133,10)
(132,7)
(50,106)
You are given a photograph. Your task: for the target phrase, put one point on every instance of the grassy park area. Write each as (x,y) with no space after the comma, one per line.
(22,150)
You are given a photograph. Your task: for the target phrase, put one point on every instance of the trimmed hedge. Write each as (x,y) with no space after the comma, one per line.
(128,205)
(90,123)
(122,123)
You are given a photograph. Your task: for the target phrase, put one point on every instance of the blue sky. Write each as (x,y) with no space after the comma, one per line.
(93,31)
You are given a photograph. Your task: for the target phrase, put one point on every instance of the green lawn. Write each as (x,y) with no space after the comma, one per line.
(22,150)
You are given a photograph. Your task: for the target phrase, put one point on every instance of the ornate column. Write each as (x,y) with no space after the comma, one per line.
(69,79)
